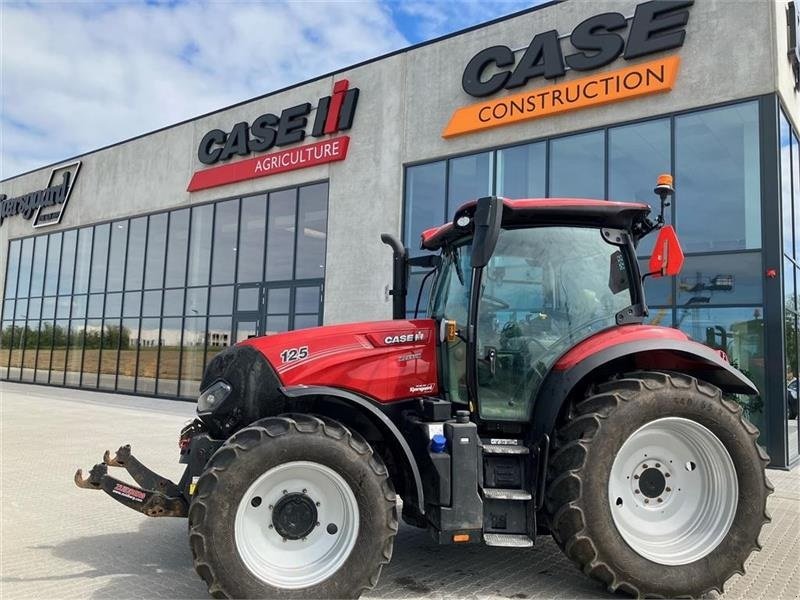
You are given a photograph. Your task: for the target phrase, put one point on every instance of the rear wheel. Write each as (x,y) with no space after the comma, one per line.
(293,507)
(657,486)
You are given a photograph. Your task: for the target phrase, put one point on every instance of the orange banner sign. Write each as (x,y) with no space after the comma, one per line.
(612,86)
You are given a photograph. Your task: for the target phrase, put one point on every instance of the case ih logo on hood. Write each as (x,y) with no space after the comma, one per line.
(405,338)
(655,26)
(37,204)
(334,113)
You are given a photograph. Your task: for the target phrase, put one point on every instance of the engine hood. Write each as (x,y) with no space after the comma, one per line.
(384,360)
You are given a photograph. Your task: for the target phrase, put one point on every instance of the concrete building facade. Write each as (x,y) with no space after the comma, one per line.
(135,281)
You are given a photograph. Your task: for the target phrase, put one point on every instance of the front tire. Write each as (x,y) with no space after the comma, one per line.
(293,507)
(658,487)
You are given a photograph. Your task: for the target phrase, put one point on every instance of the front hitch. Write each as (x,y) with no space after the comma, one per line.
(164,500)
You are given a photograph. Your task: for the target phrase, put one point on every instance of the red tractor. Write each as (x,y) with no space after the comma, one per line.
(530,399)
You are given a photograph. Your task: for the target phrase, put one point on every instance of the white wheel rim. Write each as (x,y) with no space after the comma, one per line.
(699,491)
(301,563)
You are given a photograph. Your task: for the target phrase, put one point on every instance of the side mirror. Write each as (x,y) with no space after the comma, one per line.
(488,219)
(667,257)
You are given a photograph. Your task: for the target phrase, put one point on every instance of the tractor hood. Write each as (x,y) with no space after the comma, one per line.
(383,360)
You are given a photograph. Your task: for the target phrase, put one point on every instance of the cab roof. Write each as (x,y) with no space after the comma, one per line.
(533,212)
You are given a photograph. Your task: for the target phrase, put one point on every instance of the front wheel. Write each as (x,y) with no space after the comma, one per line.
(293,507)
(658,486)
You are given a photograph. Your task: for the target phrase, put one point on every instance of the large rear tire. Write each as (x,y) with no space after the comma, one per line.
(293,507)
(657,486)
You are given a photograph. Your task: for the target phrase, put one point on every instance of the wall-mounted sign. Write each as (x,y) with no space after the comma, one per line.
(793,23)
(655,26)
(333,114)
(46,205)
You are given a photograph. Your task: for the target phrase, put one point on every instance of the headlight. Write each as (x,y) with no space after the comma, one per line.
(211,399)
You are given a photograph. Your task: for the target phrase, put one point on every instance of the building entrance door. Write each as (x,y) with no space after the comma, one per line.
(274,307)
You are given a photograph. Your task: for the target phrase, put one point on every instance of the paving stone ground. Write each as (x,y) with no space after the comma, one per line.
(57,541)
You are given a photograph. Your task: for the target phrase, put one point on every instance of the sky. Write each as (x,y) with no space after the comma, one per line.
(76,76)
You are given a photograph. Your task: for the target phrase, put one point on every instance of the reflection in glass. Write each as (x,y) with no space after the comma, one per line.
(173,303)
(280,235)
(113,306)
(251,238)
(177,244)
(67,262)
(200,244)
(193,348)
(221,300)
(225,235)
(219,336)
(128,346)
(717,174)
(51,268)
(156,251)
(75,353)
(78,307)
(34,307)
(196,299)
(245,330)
(169,357)
(18,334)
(151,303)
(24,279)
(739,332)
(306,299)
(470,178)
(12,269)
(83,260)
(6,344)
(726,279)
(131,306)
(313,231)
(278,300)
(277,324)
(63,305)
(134,268)
(21,310)
(248,298)
(147,369)
(577,166)
(45,335)
(109,353)
(116,256)
(97,281)
(48,307)
(29,351)
(305,321)
(38,267)
(59,353)
(91,352)
(521,171)
(785,155)
(425,201)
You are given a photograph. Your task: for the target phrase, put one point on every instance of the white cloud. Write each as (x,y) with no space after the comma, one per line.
(77,76)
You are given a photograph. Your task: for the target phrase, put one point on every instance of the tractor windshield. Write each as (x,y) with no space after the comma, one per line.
(544,289)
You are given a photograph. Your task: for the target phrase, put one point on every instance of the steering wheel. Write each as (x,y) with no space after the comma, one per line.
(498,304)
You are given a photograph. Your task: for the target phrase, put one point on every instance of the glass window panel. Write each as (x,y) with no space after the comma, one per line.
(177,244)
(12,269)
(717,171)
(38,268)
(74,353)
(248,298)
(109,354)
(304,321)
(148,356)
(79,306)
(83,260)
(414,283)
(313,231)
(789,293)
(225,240)
(8,309)
(67,262)
(219,336)
(522,171)
(6,344)
(24,279)
(306,300)
(156,251)
(151,303)
(48,307)
(63,305)
(132,305)
(277,324)
(196,299)
(59,353)
(34,308)
(128,344)
(173,303)
(278,300)
(95,309)
(46,333)
(251,238)
(134,269)
(637,154)
(31,339)
(200,244)
(116,256)
(280,235)
(577,166)
(796,191)
(91,352)
(659,316)
(193,348)
(791,339)
(470,178)
(221,300)
(425,201)
(97,281)
(245,330)
(113,306)
(169,357)
(720,279)
(739,332)
(785,141)
(51,269)
(22,308)
(18,343)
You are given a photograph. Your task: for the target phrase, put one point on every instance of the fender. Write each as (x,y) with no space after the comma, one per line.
(378,417)
(570,371)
